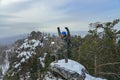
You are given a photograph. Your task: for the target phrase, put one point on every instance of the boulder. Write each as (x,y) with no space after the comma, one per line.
(70,71)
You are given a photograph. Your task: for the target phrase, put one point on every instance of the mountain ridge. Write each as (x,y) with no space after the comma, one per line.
(12,39)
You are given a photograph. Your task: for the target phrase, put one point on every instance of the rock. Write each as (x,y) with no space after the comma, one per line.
(71,70)
(68,70)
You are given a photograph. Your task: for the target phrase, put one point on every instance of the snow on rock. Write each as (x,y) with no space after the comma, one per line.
(23,60)
(89,77)
(49,76)
(74,68)
(16,66)
(70,71)
(42,60)
(71,65)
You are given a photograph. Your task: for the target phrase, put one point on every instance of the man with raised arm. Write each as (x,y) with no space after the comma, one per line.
(66,42)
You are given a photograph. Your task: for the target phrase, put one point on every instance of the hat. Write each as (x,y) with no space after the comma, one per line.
(64,33)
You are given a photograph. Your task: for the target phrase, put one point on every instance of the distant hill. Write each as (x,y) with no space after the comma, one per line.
(12,39)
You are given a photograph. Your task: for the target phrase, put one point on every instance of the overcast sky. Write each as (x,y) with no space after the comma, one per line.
(24,16)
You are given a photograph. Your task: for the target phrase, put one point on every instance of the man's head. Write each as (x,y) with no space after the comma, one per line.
(63,34)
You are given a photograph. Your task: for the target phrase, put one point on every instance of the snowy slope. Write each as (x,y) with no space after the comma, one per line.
(27,50)
(76,67)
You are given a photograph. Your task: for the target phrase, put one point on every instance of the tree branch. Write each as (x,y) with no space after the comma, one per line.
(108,64)
(109,73)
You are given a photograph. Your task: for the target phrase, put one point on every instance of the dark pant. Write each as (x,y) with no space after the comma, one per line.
(65,55)
(61,54)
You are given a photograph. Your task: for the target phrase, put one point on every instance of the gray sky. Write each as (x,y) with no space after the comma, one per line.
(24,16)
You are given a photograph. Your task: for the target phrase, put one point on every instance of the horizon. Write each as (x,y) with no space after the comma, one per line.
(11,39)
(52,33)
(24,16)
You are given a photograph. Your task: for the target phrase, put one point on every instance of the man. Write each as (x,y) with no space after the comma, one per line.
(65,37)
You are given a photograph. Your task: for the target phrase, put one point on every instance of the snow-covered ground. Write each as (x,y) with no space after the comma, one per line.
(76,67)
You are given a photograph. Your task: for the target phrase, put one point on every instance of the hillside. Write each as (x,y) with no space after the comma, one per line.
(32,57)
(93,57)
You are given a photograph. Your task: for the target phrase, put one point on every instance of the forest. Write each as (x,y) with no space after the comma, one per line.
(99,51)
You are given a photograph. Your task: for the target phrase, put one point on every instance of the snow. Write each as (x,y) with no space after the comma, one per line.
(74,66)
(27,50)
(23,60)
(45,38)
(5,65)
(26,54)
(36,42)
(71,65)
(25,40)
(30,43)
(49,76)
(52,42)
(89,77)
(16,66)
(42,60)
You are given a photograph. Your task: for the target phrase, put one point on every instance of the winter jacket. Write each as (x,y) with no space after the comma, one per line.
(65,39)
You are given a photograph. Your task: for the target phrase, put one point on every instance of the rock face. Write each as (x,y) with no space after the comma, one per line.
(67,74)
(68,70)
(50,76)
(71,70)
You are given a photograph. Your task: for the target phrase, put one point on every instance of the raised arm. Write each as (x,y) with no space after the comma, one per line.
(59,33)
(68,32)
